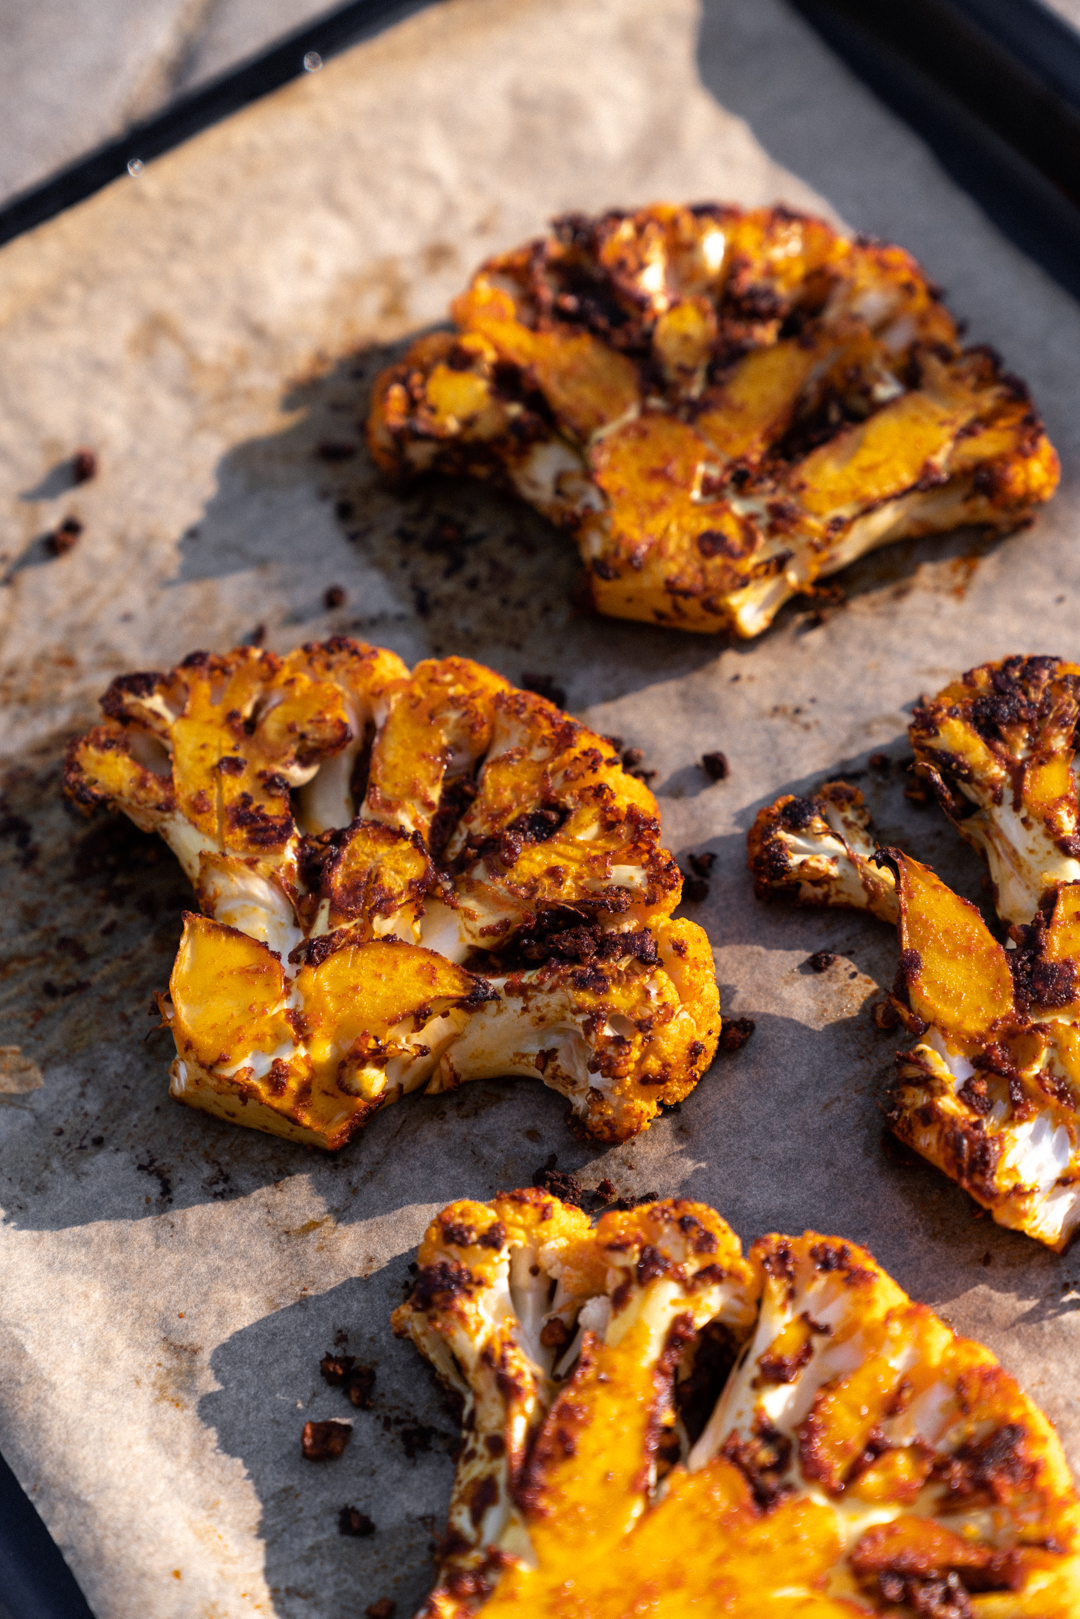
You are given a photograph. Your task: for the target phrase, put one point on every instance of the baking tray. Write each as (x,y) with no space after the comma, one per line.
(1013,147)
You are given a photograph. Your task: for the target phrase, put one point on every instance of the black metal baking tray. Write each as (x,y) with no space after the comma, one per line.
(992,86)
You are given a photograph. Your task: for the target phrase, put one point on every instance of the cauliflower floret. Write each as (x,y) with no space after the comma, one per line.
(721,407)
(998,746)
(406,881)
(991,1092)
(819,851)
(851,1453)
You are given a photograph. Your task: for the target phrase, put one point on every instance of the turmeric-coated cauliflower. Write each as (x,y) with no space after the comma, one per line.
(721,406)
(991,1092)
(655,1424)
(406,881)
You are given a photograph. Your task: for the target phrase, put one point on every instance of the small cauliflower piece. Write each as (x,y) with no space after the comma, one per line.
(847,1453)
(990,1093)
(407,881)
(820,851)
(720,406)
(998,746)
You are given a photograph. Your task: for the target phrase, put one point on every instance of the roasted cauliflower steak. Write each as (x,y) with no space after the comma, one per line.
(655,1423)
(991,1091)
(405,881)
(721,406)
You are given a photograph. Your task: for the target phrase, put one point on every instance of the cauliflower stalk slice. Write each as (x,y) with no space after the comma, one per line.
(990,1093)
(406,881)
(715,441)
(856,1456)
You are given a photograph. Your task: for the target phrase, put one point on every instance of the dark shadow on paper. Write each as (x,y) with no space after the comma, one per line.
(396,1468)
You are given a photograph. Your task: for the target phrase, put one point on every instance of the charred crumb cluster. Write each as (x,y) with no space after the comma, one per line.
(593,1200)
(990,1091)
(696,881)
(629,1381)
(431,877)
(720,406)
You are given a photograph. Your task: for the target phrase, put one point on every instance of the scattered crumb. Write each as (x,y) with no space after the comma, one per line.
(417,1437)
(333,596)
(323,1441)
(84,465)
(918,792)
(715,765)
(702,864)
(988,1258)
(695,889)
(258,635)
(879,761)
(569,1189)
(735,1032)
(351,1521)
(341,1371)
(559,1183)
(65,538)
(544,686)
(821,960)
(632,763)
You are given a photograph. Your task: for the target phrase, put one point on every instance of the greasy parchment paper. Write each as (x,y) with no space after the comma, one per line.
(169,1283)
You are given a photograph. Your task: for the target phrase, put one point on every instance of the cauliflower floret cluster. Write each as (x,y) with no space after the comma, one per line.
(654,1421)
(405,880)
(720,406)
(991,1092)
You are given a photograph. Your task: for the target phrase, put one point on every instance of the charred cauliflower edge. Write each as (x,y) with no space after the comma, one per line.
(991,1091)
(720,406)
(406,881)
(651,1417)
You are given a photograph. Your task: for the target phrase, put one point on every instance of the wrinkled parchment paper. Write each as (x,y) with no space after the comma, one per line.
(170,1283)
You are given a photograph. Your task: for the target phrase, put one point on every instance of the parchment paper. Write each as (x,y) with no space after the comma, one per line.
(169,1283)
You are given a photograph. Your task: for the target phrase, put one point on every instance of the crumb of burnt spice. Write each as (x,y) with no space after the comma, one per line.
(715,765)
(351,1521)
(84,464)
(333,596)
(258,635)
(560,1184)
(323,1441)
(544,686)
(65,538)
(632,763)
(357,1382)
(735,1032)
(592,1200)
(417,1437)
(879,761)
(821,960)
(385,1608)
(702,864)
